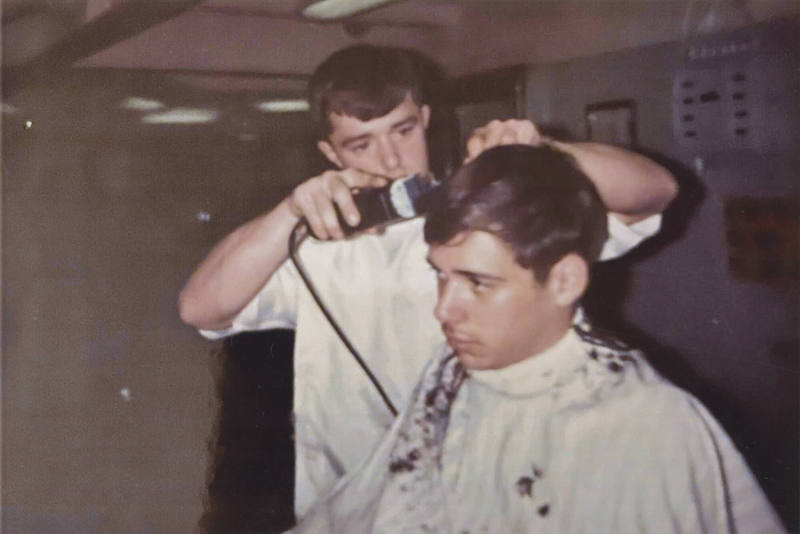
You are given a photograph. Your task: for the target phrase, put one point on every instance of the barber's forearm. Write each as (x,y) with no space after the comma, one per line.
(632,186)
(236,269)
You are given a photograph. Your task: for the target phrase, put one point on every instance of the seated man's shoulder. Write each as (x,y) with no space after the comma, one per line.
(612,368)
(618,386)
(626,399)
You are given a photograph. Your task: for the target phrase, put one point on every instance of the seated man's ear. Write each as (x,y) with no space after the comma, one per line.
(568,279)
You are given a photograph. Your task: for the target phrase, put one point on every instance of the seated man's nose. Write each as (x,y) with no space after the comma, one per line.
(445,310)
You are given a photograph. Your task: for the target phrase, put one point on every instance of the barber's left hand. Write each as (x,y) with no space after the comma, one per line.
(507,132)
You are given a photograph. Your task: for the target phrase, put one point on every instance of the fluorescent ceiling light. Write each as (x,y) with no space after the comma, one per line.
(141,104)
(336,9)
(181,116)
(282,106)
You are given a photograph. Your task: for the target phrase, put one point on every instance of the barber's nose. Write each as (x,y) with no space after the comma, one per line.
(448,308)
(390,156)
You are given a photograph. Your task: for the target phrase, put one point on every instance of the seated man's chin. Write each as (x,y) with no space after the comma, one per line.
(472,361)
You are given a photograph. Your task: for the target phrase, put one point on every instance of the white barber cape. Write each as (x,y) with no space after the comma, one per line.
(382,292)
(582,438)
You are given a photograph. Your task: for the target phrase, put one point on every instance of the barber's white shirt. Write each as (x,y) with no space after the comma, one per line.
(382,292)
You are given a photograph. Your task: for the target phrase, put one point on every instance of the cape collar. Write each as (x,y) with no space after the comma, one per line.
(538,372)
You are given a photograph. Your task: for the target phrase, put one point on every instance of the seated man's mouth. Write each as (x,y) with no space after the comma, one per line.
(455,339)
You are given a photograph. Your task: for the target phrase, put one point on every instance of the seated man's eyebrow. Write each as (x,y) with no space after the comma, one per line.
(473,275)
(481,277)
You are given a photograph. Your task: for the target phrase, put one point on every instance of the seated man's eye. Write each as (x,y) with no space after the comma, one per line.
(477,283)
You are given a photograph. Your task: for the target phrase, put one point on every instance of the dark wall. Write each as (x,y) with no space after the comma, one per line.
(109,401)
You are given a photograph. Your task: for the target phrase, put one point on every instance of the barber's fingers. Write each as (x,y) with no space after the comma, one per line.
(476,142)
(342,190)
(316,198)
(311,199)
(356,179)
(303,204)
(525,132)
(513,131)
(342,196)
(499,133)
(329,219)
(495,133)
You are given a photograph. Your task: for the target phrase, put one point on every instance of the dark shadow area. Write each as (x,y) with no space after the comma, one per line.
(774,457)
(251,469)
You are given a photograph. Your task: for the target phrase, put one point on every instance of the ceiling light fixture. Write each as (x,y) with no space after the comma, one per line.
(181,116)
(282,106)
(137,103)
(336,9)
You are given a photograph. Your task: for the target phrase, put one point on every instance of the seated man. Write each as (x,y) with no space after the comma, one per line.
(532,421)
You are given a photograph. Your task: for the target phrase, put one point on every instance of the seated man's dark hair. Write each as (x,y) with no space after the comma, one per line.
(365,82)
(536,199)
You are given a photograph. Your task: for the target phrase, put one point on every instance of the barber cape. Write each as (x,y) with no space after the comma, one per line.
(583,437)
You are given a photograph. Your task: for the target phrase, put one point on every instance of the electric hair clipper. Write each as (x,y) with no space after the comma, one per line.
(404,198)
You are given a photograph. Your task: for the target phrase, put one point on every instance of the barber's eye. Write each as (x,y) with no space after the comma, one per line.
(360,147)
(405,130)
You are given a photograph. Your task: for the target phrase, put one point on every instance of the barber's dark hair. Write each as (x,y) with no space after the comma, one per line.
(365,82)
(535,199)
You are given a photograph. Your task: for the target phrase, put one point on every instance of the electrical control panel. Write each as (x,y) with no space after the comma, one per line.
(724,97)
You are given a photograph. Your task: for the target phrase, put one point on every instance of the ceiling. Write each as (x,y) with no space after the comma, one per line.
(246,39)
(183,49)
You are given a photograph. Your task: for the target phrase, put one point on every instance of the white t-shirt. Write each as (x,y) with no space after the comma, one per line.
(581,438)
(382,292)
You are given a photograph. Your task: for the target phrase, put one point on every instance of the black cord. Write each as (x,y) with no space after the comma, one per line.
(294,243)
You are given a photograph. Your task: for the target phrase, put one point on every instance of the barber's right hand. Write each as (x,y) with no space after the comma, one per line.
(314,199)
